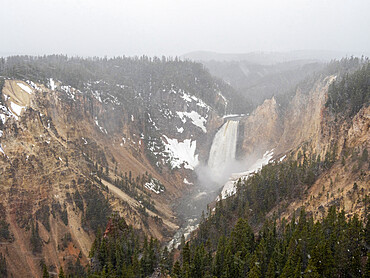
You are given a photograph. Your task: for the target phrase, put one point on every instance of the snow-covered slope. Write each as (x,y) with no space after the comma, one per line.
(230,186)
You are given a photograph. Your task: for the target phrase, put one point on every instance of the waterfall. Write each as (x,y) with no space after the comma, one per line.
(223,147)
(221,163)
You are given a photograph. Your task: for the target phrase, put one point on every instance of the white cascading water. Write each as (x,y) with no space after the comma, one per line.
(221,157)
(223,147)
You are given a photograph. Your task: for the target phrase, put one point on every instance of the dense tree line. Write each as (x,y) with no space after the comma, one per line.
(336,246)
(94,206)
(138,77)
(97,209)
(123,252)
(349,94)
(131,186)
(339,68)
(333,247)
(275,185)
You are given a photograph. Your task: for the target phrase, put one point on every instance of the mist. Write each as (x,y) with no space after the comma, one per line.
(167,27)
(214,179)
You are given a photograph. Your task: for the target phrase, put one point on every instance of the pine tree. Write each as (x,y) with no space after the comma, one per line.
(165,260)
(61,273)
(176,270)
(367,267)
(288,270)
(367,231)
(186,254)
(255,272)
(219,258)
(45,273)
(242,237)
(311,271)
(271,270)
(3,266)
(355,236)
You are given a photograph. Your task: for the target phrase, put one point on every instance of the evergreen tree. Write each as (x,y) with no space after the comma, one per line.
(271,270)
(61,273)
(45,273)
(255,272)
(311,271)
(176,272)
(3,266)
(367,267)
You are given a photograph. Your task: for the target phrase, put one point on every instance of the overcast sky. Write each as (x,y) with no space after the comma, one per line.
(175,27)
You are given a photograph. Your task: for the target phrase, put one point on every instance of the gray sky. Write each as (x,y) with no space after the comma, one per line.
(175,27)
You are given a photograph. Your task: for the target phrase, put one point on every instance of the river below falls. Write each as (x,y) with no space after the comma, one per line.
(189,210)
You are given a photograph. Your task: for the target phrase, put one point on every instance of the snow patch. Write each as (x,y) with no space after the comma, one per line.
(222,96)
(2,118)
(2,151)
(25,88)
(196,119)
(199,102)
(182,153)
(186,97)
(97,95)
(17,109)
(52,84)
(100,127)
(5,113)
(180,130)
(229,188)
(187,182)
(69,91)
(282,158)
(155,186)
(32,84)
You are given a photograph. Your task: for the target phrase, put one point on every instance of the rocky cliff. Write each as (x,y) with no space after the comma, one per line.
(306,127)
(73,153)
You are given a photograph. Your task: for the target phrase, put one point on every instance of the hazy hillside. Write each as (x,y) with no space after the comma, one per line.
(267,58)
(257,82)
(261,75)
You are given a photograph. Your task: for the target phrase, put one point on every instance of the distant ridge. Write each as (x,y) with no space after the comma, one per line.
(268,58)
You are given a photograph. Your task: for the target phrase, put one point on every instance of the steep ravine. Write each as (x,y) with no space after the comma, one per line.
(69,158)
(304,126)
(61,157)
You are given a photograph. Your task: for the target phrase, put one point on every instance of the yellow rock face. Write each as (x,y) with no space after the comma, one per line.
(17,95)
